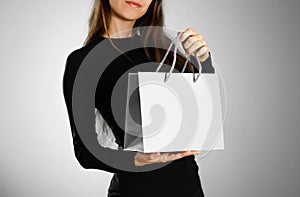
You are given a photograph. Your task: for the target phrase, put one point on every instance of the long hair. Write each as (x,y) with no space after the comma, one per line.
(154,17)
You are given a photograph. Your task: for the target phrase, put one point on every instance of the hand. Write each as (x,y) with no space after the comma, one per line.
(142,159)
(194,44)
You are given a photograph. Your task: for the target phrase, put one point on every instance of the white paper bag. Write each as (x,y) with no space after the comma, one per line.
(169,112)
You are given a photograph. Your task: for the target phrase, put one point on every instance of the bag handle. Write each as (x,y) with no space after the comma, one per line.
(176,42)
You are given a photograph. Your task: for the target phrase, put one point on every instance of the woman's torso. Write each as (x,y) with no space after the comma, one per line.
(178,178)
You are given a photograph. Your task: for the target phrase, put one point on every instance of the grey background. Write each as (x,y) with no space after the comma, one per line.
(256,45)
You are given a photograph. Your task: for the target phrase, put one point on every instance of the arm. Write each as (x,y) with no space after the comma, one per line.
(85,158)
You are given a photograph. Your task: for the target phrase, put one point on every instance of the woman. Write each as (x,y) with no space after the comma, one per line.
(109,18)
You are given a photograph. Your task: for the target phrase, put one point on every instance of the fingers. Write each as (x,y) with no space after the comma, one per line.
(196,47)
(187,33)
(165,157)
(154,155)
(151,158)
(189,153)
(192,40)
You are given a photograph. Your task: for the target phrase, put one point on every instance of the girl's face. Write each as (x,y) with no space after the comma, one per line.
(129,10)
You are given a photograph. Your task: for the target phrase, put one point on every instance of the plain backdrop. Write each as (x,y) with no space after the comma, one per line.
(256,45)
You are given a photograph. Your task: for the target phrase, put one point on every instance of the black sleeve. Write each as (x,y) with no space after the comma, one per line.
(206,66)
(86,159)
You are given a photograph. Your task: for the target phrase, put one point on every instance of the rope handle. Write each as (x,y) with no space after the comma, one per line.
(176,42)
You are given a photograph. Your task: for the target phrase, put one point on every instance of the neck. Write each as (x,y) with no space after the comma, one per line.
(119,28)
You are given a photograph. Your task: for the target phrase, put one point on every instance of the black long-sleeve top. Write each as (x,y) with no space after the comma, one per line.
(180,177)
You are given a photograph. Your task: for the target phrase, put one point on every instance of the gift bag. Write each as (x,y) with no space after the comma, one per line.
(170,112)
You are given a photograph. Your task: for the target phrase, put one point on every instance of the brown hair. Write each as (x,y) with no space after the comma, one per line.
(154,17)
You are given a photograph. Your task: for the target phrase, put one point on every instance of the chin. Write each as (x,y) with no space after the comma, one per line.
(127,16)
(131,18)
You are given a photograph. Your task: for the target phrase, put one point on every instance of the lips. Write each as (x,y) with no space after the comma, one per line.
(133,4)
